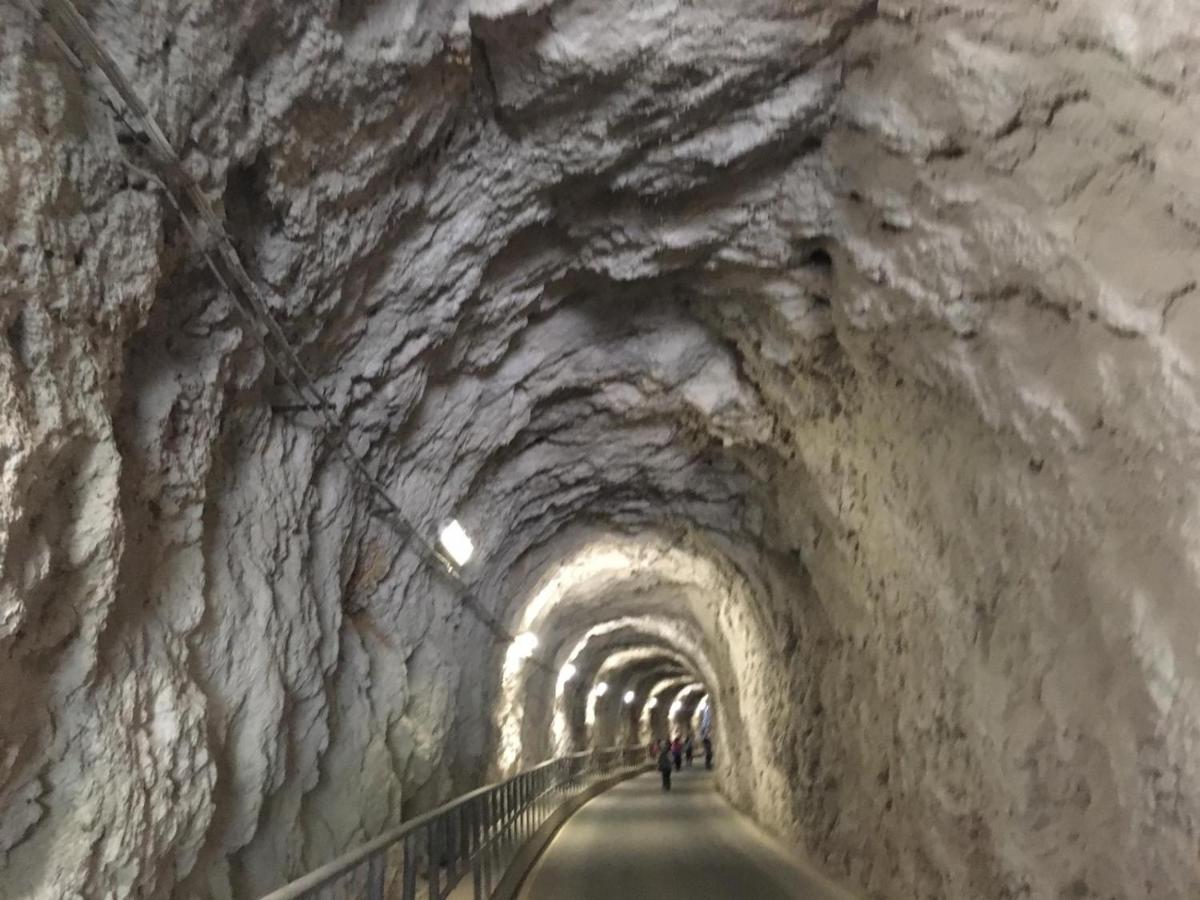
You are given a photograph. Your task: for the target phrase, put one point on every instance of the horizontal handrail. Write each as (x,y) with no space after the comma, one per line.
(468,829)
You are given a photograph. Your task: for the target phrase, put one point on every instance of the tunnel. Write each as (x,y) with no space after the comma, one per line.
(819,375)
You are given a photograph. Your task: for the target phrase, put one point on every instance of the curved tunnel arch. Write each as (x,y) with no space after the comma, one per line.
(647,636)
(531,691)
(659,718)
(617,578)
(629,677)
(575,714)
(686,701)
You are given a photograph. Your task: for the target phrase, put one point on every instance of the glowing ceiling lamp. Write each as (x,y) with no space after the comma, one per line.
(676,707)
(651,703)
(455,541)
(601,688)
(525,643)
(568,672)
(629,695)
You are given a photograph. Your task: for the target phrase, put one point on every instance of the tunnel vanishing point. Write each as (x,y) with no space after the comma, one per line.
(837,361)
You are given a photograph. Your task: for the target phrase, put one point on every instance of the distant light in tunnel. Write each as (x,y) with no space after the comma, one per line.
(525,643)
(456,542)
(651,703)
(568,672)
(629,695)
(601,689)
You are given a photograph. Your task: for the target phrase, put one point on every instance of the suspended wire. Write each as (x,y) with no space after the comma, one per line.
(71,33)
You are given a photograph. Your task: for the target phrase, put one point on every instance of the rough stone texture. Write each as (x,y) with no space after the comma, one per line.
(883,320)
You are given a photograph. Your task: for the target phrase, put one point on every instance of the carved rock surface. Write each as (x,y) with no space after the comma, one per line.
(848,349)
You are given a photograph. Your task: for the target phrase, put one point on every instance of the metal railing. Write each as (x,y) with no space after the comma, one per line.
(477,834)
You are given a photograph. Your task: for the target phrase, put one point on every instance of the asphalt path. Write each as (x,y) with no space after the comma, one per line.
(637,841)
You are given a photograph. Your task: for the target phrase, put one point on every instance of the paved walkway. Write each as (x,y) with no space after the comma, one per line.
(636,842)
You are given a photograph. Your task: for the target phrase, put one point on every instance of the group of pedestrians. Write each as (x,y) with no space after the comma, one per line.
(672,753)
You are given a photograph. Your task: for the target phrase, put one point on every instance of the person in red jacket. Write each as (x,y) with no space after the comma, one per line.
(677,753)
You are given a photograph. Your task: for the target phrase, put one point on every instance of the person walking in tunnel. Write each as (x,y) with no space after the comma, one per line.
(677,753)
(689,750)
(708,752)
(664,763)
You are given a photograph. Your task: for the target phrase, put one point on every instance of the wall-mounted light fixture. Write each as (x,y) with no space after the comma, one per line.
(525,643)
(455,542)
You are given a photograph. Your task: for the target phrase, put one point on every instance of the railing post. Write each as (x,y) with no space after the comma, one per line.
(450,846)
(433,868)
(489,840)
(477,840)
(519,791)
(514,811)
(541,792)
(510,805)
(410,866)
(501,809)
(536,790)
(464,840)
(375,873)
(519,811)
(498,836)
(526,799)
(528,803)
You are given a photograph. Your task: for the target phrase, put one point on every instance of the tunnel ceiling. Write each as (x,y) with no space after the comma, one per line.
(846,351)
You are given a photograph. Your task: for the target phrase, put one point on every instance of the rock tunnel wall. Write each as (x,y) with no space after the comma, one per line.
(887,314)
